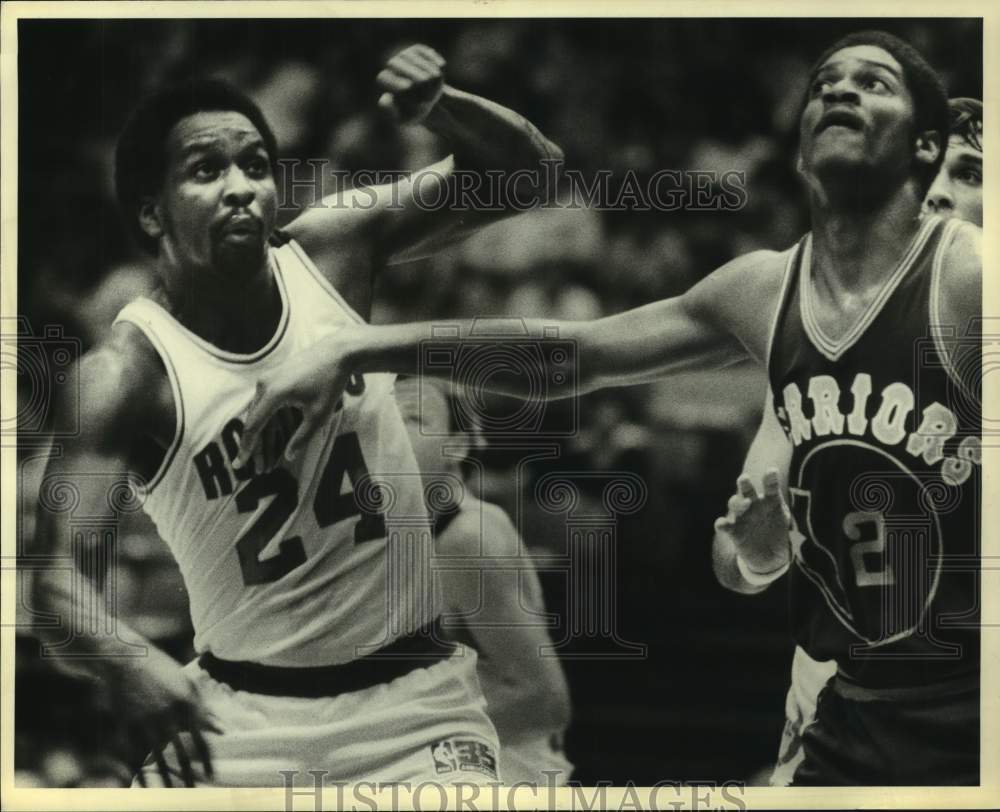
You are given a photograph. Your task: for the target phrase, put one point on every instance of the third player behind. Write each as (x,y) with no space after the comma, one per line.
(495,603)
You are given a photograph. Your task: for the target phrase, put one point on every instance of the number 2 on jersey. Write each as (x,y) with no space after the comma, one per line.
(282,486)
(864,532)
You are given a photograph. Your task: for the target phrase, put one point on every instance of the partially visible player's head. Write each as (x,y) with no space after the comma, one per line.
(875,116)
(439,446)
(194,179)
(957,190)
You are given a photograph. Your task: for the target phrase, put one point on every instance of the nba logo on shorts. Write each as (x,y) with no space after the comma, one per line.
(451,755)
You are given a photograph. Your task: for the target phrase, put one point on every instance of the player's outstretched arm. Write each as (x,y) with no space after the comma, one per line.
(755,527)
(721,320)
(154,697)
(528,694)
(442,203)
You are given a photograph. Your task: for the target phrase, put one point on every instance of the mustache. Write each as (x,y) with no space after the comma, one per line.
(240,222)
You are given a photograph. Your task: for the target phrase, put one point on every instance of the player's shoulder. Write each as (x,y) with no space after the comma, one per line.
(757,269)
(763,265)
(479,528)
(340,223)
(121,377)
(749,283)
(340,242)
(965,250)
(124,362)
(961,274)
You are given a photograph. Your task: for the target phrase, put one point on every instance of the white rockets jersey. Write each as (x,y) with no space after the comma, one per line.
(291,568)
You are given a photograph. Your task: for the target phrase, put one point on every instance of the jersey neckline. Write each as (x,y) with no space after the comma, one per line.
(238,357)
(832,349)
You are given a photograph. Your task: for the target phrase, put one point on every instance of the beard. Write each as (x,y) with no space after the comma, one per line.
(238,259)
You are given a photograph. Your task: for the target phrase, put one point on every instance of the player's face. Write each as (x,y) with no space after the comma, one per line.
(957,190)
(859,115)
(218,203)
(427,417)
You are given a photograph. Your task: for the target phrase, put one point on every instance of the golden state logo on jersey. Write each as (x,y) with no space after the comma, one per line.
(880,521)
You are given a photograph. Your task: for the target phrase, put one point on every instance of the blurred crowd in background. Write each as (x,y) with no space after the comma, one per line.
(706,701)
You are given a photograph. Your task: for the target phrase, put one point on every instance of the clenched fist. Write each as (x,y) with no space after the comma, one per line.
(411,83)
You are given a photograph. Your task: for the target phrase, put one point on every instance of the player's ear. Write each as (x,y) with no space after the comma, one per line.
(928,147)
(149,218)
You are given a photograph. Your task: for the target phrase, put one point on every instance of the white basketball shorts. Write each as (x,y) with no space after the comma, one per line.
(427,725)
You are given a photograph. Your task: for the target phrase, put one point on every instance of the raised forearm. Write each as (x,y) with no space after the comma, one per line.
(487,135)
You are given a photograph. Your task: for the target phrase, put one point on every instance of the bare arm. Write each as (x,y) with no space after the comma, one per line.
(526,690)
(721,320)
(433,207)
(155,698)
(90,459)
(715,323)
(770,451)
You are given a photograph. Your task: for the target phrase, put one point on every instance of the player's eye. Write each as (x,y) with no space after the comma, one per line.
(258,166)
(205,170)
(820,86)
(874,84)
(970,175)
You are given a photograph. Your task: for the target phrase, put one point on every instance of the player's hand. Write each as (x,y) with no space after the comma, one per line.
(759,525)
(275,438)
(294,401)
(158,705)
(411,83)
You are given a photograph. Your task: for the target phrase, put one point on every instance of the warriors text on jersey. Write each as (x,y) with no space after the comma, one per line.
(292,567)
(885,475)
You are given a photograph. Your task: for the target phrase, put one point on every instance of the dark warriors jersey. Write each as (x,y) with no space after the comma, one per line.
(885,479)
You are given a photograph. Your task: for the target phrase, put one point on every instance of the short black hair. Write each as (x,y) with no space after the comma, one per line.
(141,156)
(967,121)
(930,101)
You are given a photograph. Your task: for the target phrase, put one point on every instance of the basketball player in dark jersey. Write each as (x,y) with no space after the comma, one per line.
(864,327)
(756,522)
(194,176)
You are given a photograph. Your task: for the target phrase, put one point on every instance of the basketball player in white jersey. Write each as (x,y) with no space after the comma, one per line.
(308,582)
(496,611)
(754,521)
(873,130)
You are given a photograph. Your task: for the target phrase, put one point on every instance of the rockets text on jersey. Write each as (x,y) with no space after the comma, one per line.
(320,560)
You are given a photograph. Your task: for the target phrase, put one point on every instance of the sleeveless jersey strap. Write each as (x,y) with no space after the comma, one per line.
(787,286)
(278,238)
(291,258)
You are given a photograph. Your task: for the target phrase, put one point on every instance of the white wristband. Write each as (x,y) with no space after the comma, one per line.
(755,578)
